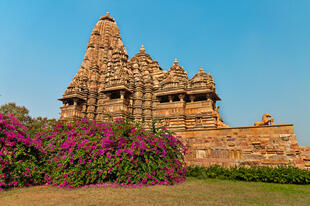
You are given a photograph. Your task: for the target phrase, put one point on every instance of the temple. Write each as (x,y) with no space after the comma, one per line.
(109,84)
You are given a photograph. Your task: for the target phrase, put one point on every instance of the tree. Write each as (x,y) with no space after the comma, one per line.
(20,112)
(33,125)
(39,123)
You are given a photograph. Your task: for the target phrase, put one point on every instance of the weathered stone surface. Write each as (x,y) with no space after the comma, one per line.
(247,146)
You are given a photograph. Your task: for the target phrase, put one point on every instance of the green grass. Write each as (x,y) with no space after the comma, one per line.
(192,192)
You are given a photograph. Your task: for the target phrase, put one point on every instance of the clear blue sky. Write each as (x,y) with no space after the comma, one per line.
(258,51)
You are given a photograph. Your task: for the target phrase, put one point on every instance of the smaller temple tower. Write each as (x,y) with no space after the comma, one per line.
(186,104)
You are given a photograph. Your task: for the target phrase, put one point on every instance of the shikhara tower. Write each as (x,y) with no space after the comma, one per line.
(110,84)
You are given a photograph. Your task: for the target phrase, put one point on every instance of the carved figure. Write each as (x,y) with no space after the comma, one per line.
(266,120)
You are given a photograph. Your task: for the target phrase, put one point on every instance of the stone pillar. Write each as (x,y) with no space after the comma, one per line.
(211,103)
(122,94)
(182,119)
(137,101)
(108,96)
(93,91)
(191,97)
(91,102)
(100,109)
(84,108)
(181,97)
(131,88)
(158,99)
(170,98)
(130,106)
(148,103)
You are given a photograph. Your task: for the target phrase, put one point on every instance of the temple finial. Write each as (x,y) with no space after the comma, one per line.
(142,49)
(175,61)
(107,17)
(201,69)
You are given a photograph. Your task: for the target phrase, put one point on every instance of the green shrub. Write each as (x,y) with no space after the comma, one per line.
(281,174)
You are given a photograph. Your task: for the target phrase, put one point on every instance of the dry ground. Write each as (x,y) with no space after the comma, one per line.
(191,192)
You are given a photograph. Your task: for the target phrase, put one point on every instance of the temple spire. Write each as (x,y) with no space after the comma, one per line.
(142,49)
(107,17)
(176,61)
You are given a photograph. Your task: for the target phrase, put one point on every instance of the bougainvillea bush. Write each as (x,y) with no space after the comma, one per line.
(20,163)
(88,152)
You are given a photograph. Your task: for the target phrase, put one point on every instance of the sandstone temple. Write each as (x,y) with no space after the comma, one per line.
(110,84)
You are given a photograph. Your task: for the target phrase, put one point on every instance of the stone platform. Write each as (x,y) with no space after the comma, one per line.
(245,146)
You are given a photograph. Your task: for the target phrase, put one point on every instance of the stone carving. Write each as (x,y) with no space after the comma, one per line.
(137,88)
(266,120)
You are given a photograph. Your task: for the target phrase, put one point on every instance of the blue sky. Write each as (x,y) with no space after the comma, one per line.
(258,51)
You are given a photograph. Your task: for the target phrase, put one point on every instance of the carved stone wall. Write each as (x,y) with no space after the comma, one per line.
(248,146)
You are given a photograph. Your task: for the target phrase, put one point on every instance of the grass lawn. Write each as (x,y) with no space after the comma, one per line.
(192,192)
